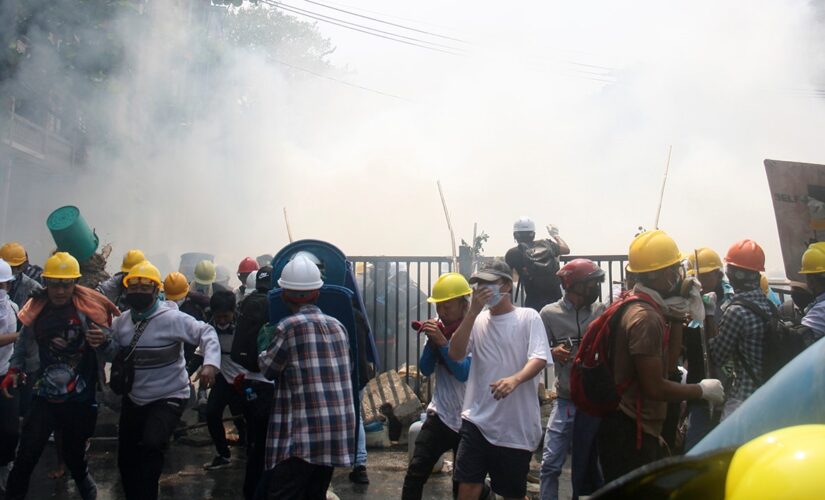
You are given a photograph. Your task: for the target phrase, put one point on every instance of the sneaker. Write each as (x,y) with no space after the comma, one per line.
(359,475)
(218,462)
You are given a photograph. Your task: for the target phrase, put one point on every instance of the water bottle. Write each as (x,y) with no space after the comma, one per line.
(250,394)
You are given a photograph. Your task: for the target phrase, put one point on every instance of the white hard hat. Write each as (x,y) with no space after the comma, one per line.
(250,283)
(524,224)
(309,255)
(5,272)
(300,274)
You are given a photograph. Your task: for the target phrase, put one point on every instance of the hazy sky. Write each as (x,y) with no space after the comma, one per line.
(563,111)
(521,127)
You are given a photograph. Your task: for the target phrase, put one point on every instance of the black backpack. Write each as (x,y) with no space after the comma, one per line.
(781,343)
(540,259)
(253,314)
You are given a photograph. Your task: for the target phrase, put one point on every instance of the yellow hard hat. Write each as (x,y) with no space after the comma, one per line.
(449,286)
(786,463)
(175,286)
(205,272)
(651,251)
(61,266)
(146,270)
(13,253)
(708,261)
(813,260)
(131,259)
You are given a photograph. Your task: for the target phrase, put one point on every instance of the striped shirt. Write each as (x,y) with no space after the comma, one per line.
(313,412)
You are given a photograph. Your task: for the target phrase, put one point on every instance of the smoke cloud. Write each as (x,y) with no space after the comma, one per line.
(564,113)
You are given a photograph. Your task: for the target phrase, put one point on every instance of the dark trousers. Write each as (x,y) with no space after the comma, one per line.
(618,453)
(256,414)
(143,438)
(9,426)
(433,440)
(295,479)
(587,475)
(77,423)
(223,394)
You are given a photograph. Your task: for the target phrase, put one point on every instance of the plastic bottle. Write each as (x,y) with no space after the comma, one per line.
(415,428)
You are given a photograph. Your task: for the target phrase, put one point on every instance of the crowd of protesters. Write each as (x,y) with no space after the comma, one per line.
(686,328)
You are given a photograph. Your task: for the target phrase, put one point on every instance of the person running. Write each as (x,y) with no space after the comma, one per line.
(154,333)
(58,323)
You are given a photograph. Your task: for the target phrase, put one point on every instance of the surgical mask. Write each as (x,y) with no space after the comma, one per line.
(140,301)
(3,294)
(497,295)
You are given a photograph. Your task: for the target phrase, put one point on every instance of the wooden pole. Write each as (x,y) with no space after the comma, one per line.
(662,193)
(288,228)
(449,226)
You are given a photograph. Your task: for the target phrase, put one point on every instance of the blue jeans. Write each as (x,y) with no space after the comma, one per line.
(557,441)
(361,447)
(700,422)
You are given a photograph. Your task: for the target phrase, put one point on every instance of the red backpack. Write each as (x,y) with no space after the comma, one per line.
(592,386)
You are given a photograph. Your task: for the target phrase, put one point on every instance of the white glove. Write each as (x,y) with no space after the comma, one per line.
(712,391)
(554,231)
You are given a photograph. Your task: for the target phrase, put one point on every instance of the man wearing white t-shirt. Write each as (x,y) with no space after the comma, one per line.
(501,418)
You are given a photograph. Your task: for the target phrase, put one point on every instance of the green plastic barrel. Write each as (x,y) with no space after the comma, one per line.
(71,233)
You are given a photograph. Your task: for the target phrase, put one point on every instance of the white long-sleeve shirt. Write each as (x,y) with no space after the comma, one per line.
(160,369)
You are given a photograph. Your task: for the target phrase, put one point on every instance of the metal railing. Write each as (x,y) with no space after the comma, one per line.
(395,291)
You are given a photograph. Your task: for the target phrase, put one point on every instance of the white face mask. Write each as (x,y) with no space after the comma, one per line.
(3,294)
(497,295)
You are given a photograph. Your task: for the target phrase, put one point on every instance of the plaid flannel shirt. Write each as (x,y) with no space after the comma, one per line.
(313,413)
(740,339)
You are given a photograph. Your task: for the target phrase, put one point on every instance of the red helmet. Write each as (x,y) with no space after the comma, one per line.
(248,265)
(578,270)
(746,254)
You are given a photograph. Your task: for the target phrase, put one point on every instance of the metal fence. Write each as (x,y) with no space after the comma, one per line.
(395,291)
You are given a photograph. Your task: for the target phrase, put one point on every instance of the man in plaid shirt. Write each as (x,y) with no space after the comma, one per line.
(312,424)
(742,331)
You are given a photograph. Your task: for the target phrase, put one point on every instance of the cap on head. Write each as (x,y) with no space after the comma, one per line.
(491,271)
(263,279)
